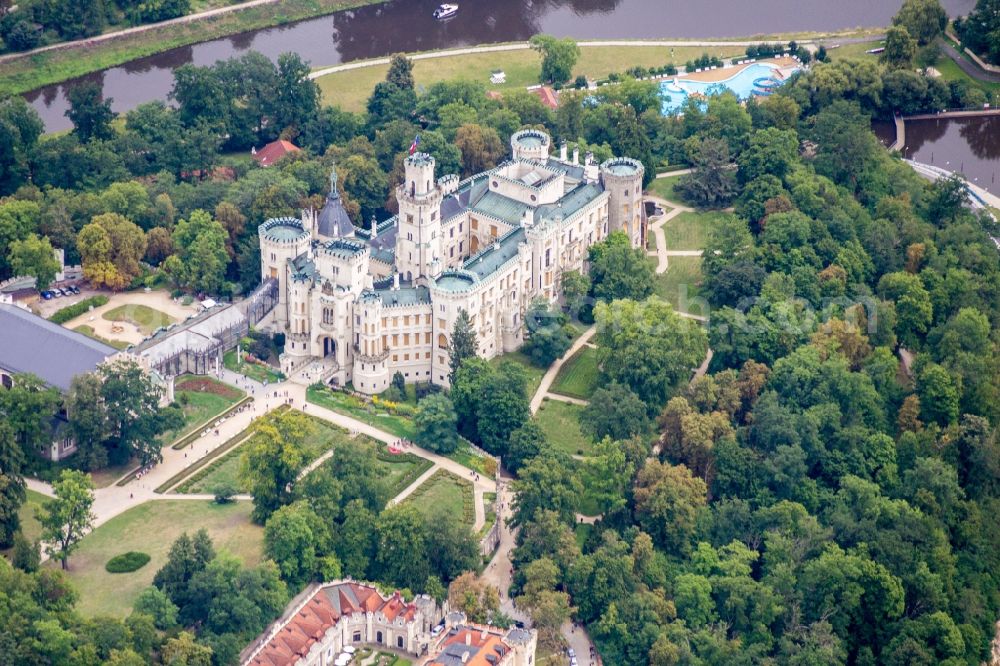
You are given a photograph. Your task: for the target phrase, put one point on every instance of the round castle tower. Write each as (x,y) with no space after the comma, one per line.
(530,144)
(371,369)
(281,240)
(622,179)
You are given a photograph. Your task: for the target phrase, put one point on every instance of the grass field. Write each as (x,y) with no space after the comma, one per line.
(349,405)
(90,333)
(36,70)
(560,423)
(225,470)
(680,285)
(30,527)
(578,376)
(151,528)
(201,399)
(143,316)
(255,371)
(350,89)
(664,187)
(445,492)
(689,231)
(534,373)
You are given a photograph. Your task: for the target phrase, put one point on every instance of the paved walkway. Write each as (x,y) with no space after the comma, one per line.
(559,397)
(550,374)
(180,20)
(969,68)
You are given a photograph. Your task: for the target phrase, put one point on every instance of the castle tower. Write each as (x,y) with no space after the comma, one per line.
(418,241)
(371,369)
(281,240)
(530,144)
(622,179)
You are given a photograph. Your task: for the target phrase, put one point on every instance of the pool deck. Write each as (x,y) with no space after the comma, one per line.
(723,73)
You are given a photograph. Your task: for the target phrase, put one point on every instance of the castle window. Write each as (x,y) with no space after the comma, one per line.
(399,641)
(409,218)
(427,340)
(434,215)
(442,341)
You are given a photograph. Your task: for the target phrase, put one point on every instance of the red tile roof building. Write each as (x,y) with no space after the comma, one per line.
(479,645)
(274,151)
(331,616)
(548,96)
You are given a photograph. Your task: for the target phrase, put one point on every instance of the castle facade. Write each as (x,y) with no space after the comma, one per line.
(369,303)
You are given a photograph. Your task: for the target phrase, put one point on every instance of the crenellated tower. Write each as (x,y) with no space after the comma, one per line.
(418,241)
(622,179)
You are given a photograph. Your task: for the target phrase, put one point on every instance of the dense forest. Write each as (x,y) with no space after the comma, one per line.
(28,24)
(828,493)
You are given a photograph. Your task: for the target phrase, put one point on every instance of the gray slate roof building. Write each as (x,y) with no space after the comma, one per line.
(55,354)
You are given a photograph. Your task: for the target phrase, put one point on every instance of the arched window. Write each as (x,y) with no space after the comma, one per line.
(378,637)
(442,341)
(399,641)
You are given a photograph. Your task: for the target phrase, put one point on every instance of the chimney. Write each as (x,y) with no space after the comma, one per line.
(395,281)
(374,227)
(576,155)
(588,158)
(465,657)
(468,637)
(562,151)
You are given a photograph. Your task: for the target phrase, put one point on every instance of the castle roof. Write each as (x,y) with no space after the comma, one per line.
(274,151)
(493,257)
(295,636)
(471,646)
(333,221)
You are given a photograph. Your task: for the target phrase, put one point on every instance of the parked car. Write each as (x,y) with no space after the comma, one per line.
(47,295)
(73,288)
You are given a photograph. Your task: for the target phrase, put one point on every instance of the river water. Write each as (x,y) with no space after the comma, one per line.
(407,25)
(970,146)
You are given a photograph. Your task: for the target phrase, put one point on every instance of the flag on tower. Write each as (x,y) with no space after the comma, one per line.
(413,146)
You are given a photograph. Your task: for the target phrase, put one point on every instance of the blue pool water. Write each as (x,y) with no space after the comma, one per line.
(742,83)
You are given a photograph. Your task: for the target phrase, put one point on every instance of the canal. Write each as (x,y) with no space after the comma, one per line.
(407,25)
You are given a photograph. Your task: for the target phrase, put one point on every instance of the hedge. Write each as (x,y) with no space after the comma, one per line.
(77,309)
(127,562)
(196,433)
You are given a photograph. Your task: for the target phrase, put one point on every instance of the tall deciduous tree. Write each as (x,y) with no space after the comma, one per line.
(437,424)
(90,114)
(12,486)
(668,499)
(558,57)
(201,258)
(110,248)
(271,461)
(34,256)
(614,411)
(88,419)
(480,146)
(618,270)
(134,418)
(923,19)
(711,183)
(67,517)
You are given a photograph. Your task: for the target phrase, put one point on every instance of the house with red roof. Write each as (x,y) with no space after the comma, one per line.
(320,623)
(273,152)
(549,97)
(480,645)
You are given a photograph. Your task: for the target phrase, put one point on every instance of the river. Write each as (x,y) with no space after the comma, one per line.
(406,25)
(970,146)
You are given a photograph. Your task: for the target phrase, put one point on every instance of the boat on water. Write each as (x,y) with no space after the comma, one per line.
(445,11)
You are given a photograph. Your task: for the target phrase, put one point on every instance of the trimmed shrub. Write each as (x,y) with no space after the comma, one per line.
(64,315)
(127,562)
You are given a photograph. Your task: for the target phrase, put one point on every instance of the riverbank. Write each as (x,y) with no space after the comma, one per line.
(25,72)
(349,85)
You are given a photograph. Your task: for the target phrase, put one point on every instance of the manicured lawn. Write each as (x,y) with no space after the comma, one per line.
(404,471)
(681,285)
(350,89)
(689,231)
(201,399)
(445,492)
(578,376)
(225,470)
(89,332)
(344,403)
(560,423)
(30,526)
(664,187)
(534,372)
(464,455)
(255,371)
(143,316)
(151,528)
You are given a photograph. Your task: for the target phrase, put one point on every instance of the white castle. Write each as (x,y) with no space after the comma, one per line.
(369,303)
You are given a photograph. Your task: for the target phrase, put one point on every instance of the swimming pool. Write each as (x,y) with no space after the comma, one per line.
(750,80)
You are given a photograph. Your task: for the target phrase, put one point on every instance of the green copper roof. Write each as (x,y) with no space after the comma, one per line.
(500,207)
(489,260)
(576,199)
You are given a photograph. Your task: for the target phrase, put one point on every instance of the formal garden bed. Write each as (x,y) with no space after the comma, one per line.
(384,415)
(577,378)
(202,401)
(150,528)
(445,492)
(561,425)
(257,371)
